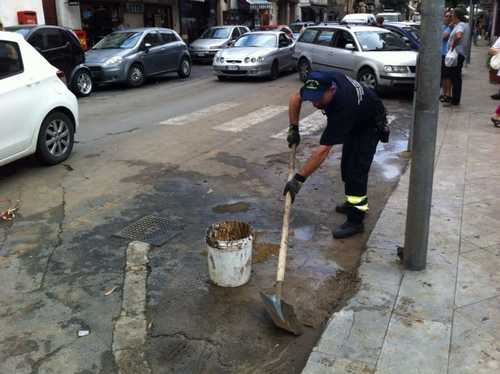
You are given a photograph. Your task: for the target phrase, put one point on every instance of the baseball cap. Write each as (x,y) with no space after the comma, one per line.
(315,85)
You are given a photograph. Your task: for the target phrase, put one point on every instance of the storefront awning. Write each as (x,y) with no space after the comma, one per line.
(259,4)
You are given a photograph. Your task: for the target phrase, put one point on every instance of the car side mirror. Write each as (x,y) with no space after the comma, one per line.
(147,47)
(230,43)
(350,47)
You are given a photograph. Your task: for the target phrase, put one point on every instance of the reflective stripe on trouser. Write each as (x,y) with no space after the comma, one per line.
(358,202)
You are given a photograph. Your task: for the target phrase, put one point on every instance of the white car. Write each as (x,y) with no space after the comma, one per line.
(359,19)
(39,115)
(374,56)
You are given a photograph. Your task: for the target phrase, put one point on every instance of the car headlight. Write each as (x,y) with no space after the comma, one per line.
(114,61)
(260,59)
(221,60)
(395,69)
(247,60)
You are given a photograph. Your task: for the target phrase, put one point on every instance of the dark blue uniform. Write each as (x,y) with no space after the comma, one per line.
(352,122)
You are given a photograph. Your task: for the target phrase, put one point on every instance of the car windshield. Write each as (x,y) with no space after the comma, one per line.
(216,33)
(381,41)
(119,40)
(414,32)
(256,40)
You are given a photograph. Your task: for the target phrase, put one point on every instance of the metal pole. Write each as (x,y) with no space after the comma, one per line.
(424,138)
(471,25)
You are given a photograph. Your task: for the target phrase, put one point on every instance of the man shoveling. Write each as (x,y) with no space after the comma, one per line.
(356,118)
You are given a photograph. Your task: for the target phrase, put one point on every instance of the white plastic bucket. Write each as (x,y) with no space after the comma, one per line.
(229,253)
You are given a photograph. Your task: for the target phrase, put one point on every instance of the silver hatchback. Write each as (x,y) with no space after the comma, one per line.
(375,57)
(213,40)
(133,55)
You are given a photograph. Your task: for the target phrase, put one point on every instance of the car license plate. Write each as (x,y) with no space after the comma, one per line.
(201,54)
(233,67)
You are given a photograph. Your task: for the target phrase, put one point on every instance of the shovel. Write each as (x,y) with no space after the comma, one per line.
(282,313)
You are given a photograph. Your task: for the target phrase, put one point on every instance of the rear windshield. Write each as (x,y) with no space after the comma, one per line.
(381,41)
(216,33)
(119,40)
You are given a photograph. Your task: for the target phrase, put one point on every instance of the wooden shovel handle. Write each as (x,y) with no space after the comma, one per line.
(286,221)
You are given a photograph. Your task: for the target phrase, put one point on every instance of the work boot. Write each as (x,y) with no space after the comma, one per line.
(343,208)
(348,229)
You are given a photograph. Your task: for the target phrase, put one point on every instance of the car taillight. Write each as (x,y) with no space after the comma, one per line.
(61,76)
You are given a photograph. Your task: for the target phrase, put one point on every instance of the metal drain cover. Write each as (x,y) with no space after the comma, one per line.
(150,229)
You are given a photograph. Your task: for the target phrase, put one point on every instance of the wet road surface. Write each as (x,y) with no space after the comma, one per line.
(196,152)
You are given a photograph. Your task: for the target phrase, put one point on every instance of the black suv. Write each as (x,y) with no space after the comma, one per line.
(61,47)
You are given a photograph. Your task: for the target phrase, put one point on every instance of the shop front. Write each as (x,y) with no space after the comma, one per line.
(196,17)
(101,17)
(250,13)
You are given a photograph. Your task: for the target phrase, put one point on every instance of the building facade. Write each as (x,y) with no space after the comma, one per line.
(9,11)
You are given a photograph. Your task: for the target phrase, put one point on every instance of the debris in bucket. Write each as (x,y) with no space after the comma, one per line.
(227,231)
(110,291)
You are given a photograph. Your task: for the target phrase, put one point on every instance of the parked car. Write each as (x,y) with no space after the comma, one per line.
(359,19)
(39,113)
(374,56)
(408,33)
(62,48)
(390,16)
(297,27)
(256,54)
(131,56)
(213,40)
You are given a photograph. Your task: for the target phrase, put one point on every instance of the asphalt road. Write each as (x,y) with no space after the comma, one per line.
(194,151)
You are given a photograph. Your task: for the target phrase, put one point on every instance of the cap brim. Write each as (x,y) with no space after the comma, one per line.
(311,95)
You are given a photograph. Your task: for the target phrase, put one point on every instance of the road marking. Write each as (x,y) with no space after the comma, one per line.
(251,119)
(310,125)
(199,114)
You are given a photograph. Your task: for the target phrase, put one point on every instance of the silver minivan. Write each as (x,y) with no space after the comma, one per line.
(213,40)
(374,56)
(133,55)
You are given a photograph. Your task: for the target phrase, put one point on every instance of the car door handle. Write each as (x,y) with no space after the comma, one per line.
(33,83)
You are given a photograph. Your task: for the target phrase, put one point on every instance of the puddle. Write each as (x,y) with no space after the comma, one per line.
(304,233)
(262,251)
(238,207)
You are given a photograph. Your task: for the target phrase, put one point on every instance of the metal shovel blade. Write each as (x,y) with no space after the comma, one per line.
(282,314)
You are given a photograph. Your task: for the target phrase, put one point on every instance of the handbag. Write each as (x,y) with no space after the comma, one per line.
(451,58)
(495,62)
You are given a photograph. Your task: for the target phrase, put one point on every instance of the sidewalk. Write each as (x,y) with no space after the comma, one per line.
(445,319)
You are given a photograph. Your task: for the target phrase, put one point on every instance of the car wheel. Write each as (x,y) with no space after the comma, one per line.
(184,68)
(304,69)
(55,139)
(367,77)
(275,71)
(135,76)
(82,83)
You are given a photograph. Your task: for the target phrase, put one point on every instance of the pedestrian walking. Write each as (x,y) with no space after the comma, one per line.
(458,41)
(356,118)
(494,50)
(445,72)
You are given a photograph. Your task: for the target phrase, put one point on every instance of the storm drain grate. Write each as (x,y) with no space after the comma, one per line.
(150,229)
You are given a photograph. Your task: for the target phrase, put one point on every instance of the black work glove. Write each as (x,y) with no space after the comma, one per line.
(293,137)
(294,185)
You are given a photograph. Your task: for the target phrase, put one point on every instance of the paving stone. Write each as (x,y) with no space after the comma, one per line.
(478,277)
(420,347)
(476,338)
